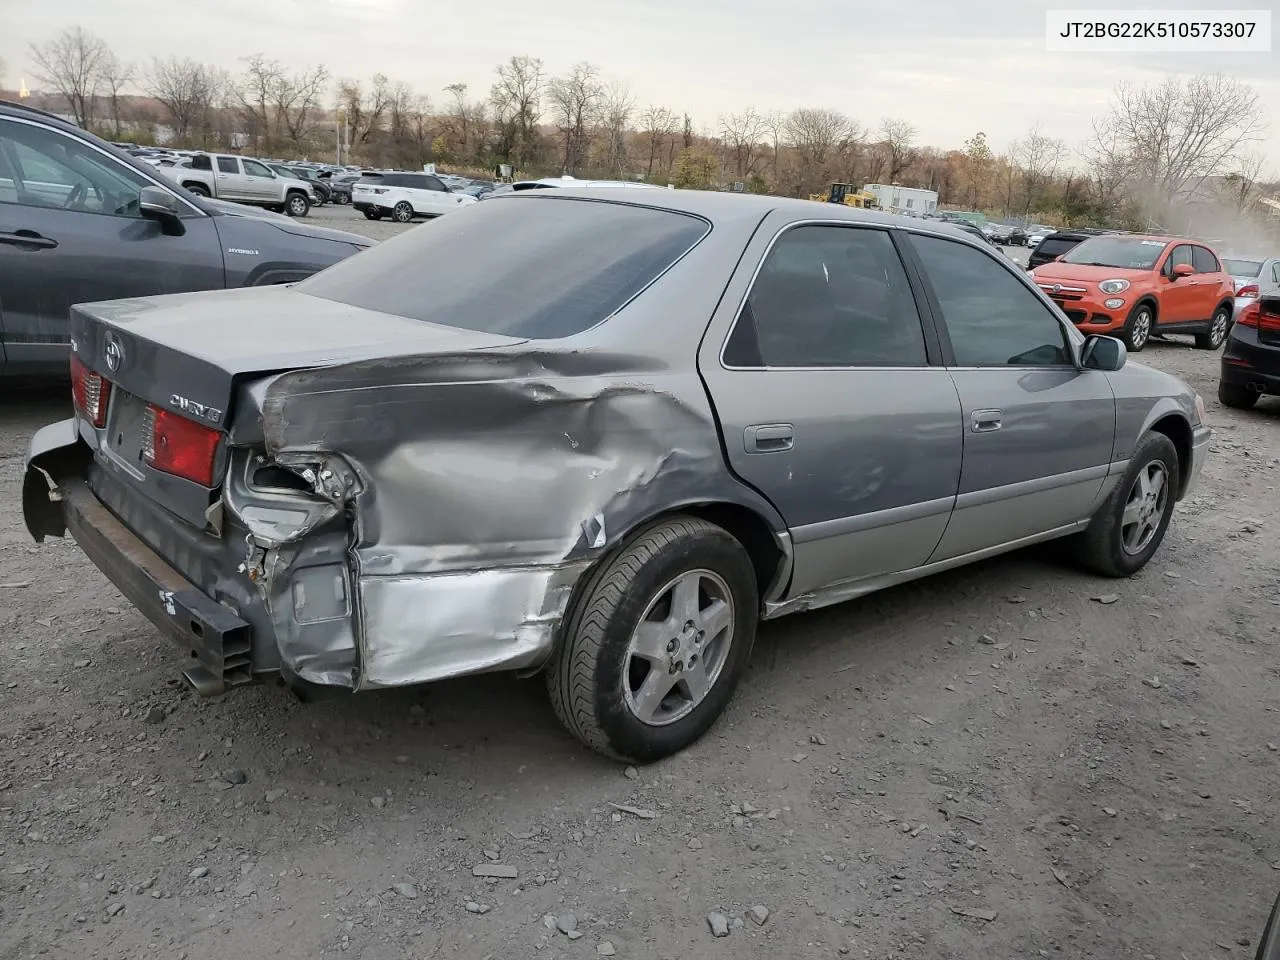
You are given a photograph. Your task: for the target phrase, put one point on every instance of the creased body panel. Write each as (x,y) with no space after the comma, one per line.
(489,481)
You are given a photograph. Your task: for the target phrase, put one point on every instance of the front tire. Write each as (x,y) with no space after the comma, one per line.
(297,205)
(1237,397)
(402,212)
(656,642)
(1217,332)
(1130,526)
(1138,328)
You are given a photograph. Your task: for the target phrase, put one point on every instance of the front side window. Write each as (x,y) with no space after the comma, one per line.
(255,169)
(1180,256)
(829,296)
(40,167)
(535,267)
(993,320)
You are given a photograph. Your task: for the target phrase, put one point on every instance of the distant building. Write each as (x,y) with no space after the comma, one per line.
(895,198)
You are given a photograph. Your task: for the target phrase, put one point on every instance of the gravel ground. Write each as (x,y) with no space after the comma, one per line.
(996,762)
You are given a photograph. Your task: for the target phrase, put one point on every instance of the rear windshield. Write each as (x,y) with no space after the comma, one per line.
(536,267)
(1129,253)
(1242,268)
(1055,246)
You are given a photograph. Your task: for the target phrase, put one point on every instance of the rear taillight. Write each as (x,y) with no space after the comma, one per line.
(89,392)
(1248,290)
(176,445)
(1249,315)
(1269,317)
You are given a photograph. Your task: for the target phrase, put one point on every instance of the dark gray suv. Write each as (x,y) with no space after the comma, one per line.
(81,221)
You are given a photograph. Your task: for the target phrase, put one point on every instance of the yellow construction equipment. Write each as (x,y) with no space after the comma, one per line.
(845,194)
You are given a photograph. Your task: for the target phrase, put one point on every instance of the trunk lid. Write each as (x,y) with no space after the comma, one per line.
(186,351)
(185,354)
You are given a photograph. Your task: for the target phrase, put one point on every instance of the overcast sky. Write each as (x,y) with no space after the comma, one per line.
(950,67)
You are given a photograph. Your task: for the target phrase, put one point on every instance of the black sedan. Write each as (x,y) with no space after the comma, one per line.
(1251,356)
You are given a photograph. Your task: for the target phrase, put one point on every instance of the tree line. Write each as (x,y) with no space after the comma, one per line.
(1157,145)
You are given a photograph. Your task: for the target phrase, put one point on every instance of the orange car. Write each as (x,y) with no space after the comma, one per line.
(1134,286)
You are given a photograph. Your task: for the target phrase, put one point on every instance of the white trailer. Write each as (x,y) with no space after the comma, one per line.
(894,198)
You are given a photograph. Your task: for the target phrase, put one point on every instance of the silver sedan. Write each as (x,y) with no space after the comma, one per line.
(597,434)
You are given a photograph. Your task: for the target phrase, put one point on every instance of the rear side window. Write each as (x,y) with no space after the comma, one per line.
(829,297)
(1203,260)
(200,163)
(228,165)
(395,180)
(534,267)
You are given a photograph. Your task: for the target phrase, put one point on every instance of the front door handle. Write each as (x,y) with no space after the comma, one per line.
(984,421)
(769,437)
(28,238)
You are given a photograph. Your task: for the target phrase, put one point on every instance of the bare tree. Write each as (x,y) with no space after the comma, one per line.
(658,126)
(776,124)
(821,139)
(1179,132)
(516,98)
(616,108)
(114,75)
(897,138)
(742,135)
(70,64)
(575,100)
(1039,157)
(1110,167)
(365,112)
(256,91)
(189,91)
(977,166)
(299,100)
(1241,187)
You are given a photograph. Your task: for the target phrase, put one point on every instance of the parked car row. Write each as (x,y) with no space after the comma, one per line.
(81,220)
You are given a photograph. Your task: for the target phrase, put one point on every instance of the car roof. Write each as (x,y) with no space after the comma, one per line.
(712,205)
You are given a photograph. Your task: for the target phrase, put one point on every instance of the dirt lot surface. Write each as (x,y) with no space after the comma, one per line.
(1011,761)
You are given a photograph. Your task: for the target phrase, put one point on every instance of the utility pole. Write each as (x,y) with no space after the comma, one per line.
(340,131)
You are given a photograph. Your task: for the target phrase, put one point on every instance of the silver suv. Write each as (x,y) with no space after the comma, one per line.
(597,434)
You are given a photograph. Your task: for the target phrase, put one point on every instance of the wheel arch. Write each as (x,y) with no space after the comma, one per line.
(1150,300)
(1178,429)
(1229,304)
(762,533)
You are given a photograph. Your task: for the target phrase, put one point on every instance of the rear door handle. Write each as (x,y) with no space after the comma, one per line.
(768,437)
(28,238)
(984,421)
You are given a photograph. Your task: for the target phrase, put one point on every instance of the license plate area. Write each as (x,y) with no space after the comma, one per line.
(124,435)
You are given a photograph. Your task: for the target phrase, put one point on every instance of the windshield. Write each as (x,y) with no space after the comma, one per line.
(1242,268)
(538,267)
(1127,253)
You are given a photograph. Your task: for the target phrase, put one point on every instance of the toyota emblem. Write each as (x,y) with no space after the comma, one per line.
(113,352)
(1057,288)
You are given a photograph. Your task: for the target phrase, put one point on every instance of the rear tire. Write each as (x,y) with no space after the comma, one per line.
(199,189)
(1130,526)
(1139,327)
(1217,332)
(622,647)
(402,212)
(1237,397)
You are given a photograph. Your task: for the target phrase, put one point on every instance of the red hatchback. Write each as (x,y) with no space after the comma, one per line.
(1135,287)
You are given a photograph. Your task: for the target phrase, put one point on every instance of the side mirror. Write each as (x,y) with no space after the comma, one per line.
(1103,353)
(1183,270)
(162,206)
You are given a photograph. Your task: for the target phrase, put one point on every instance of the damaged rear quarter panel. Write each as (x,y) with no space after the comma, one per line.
(490,480)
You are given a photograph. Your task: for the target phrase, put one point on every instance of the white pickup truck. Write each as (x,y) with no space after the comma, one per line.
(226,176)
